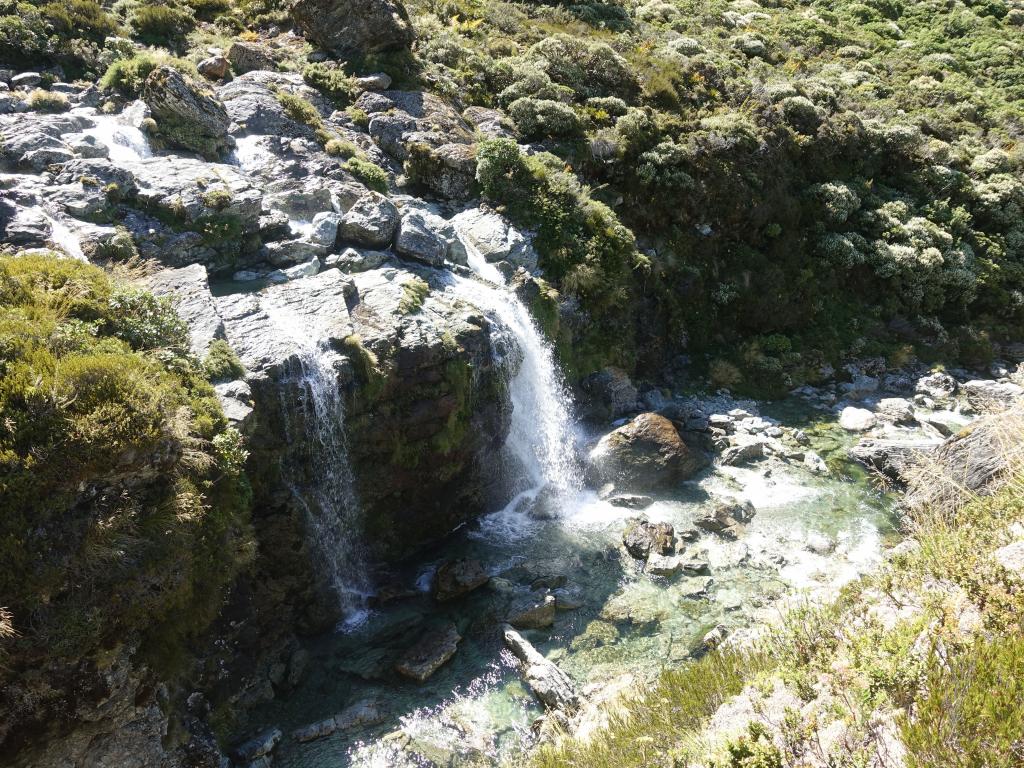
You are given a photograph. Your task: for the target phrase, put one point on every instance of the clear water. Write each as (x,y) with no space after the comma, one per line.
(118,133)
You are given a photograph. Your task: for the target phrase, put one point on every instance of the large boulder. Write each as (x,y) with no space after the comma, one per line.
(250,57)
(371,221)
(347,27)
(187,115)
(646,453)
(457,578)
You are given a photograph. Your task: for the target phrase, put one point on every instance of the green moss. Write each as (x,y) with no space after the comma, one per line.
(371,174)
(221,363)
(414,292)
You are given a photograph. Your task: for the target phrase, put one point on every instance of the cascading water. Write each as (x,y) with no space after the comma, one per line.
(125,142)
(542,437)
(327,493)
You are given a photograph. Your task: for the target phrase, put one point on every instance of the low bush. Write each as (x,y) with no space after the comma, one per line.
(127,76)
(221,362)
(371,174)
(47,101)
(165,25)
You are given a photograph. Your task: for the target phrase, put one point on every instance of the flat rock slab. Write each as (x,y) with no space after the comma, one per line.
(429,654)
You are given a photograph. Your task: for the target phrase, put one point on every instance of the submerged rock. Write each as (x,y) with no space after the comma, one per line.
(549,684)
(533,614)
(646,453)
(258,746)
(457,578)
(366,712)
(429,654)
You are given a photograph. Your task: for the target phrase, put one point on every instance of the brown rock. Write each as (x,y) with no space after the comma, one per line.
(646,453)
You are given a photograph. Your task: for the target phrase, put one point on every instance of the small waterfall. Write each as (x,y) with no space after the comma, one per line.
(542,436)
(61,235)
(327,493)
(124,141)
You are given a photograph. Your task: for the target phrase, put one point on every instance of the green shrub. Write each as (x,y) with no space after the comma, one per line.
(161,24)
(371,174)
(414,293)
(539,118)
(127,76)
(221,363)
(299,109)
(332,82)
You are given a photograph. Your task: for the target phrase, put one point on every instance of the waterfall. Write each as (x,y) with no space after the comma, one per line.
(327,495)
(542,437)
(123,140)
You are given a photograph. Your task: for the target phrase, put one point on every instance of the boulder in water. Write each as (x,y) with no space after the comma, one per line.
(856,419)
(346,28)
(549,684)
(892,459)
(642,538)
(187,115)
(457,578)
(533,613)
(938,386)
(419,238)
(646,453)
(429,653)
(726,517)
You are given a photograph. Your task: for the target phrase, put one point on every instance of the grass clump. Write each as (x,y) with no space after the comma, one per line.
(414,292)
(166,25)
(371,174)
(332,82)
(47,101)
(127,76)
(221,362)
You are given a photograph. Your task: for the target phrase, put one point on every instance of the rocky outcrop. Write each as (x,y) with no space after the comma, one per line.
(187,115)
(248,57)
(346,28)
(189,290)
(644,454)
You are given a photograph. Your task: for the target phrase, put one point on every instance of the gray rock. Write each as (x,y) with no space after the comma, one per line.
(214,68)
(235,400)
(725,517)
(549,684)
(631,501)
(859,388)
(568,599)
(371,221)
(377,81)
(646,453)
(251,102)
(26,80)
(893,459)
(744,453)
(351,260)
(429,653)
(187,115)
(856,419)
(325,229)
(1011,558)
(492,123)
(896,409)
(641,538)
(664,565)
(189,290)
(457,578)
(258,746)
(532,613)
(496,239)
(987,395)
(938,386)
(448,171)
(362,713)
(248,57)
(347,28)
(418,238)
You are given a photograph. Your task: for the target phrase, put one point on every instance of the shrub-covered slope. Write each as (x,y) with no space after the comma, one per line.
(125,507)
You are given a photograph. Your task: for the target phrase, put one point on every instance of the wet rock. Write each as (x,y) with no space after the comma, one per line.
(532,613)
(496,239)
(938,386)
(693,587)
(744,453)
(664,565)
(568,599)
(631,501)
(258,746)
(815,463)
(249,57)
(362,713)
(641,538)
(347,28)
(725,517)
(187,115)
(647,453)
(820,544)
(371,221)
(457,578)
(549,684)
(891,458)
(897,410)
(428,655)
(856,419)
(611,392)
(351,260)
(987,395)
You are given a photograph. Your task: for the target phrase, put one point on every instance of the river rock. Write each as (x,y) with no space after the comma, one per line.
(664,565)
(856,419)
(371,221)
(549,684)
(187,115)
(429,653)
(532,613)
(630,501)
(647,453)
(642,538)
(744,453)
(897,410)
(251,102)
(938,386)
(726,517)
(362,713)
(496,239)
(457,578)
(988,395)
(249,57)
(892,459)
(347,28)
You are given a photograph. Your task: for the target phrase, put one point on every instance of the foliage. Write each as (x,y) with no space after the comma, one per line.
(125,508)
(371,174)
(332,82)
(47,101)
(221,362)
(158,24)
(414,292)
(127,76)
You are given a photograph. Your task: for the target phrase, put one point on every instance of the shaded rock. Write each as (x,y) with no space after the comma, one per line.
(448,171)
(549,684)
(248,57)
(642,538)
(856,419)
(346,28)
(213,68)
(428,655)
(361,713)
(187,115)
(258,746)
(646,453)
(611,393)
(533,614)
(568,599)
(371,221)
(859,388)
(235,400)
(457,578)
(744,453)
(631,501)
